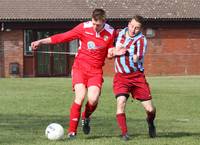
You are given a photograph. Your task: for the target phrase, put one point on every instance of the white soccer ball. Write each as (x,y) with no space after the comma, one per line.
(54,131)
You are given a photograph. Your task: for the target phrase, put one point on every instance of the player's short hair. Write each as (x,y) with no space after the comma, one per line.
(99,14)
(138,18)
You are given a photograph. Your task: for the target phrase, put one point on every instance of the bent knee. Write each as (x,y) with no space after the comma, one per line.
(93,102)
(150,109)
(79,100)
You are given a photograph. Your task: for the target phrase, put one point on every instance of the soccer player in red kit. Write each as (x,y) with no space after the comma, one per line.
(96,37)
(129,77)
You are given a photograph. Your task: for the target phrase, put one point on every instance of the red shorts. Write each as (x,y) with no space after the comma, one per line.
(134,83)
(87,75)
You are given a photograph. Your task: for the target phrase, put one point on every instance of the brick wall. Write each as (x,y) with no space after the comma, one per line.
(1,56)
(173,51)
(13,50)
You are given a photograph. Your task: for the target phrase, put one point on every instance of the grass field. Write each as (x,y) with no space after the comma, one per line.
(28,105)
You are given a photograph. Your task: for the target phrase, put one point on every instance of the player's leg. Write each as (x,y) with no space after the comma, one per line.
(142,92)
(90,107)
(93,98)
(121,116)
(80,91)
(151,113)
(121,91)
(94,89)
(78,82)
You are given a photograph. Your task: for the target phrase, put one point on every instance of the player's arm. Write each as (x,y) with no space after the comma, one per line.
(75,33)
(111,47)
(110,53)
(59,38)
(36,44)
(141,46)
(116,51)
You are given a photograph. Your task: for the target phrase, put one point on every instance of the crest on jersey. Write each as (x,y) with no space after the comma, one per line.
(91,45)
(105,37)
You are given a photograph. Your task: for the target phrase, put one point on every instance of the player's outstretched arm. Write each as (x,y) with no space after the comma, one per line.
(36,44)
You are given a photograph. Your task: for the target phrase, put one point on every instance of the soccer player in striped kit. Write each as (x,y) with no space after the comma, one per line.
(129,75)
(96,37)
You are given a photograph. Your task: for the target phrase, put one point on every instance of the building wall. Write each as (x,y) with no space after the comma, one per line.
(12,42)
(173,51)
(1,56)
(29,68)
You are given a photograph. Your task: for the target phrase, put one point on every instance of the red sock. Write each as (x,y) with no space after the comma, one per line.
(121,120)
(74,117)
(89,109)
(151,116)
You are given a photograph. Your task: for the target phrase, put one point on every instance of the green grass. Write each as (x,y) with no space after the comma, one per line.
(28,105)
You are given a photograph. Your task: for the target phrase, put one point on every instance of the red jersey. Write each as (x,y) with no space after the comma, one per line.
(94,45)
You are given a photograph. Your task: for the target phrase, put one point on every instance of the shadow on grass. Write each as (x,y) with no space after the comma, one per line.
(21,128)
(109,136)
(177,134)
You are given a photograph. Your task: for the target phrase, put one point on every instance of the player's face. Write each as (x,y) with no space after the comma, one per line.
(134,28)
(98,25)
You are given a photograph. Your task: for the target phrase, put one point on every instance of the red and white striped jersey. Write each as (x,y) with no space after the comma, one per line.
(135,46)
(93,47)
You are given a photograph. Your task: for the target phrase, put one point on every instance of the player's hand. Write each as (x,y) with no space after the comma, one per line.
(111,52)
(35,44)
(120,50)
(135,58)
(116,51)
